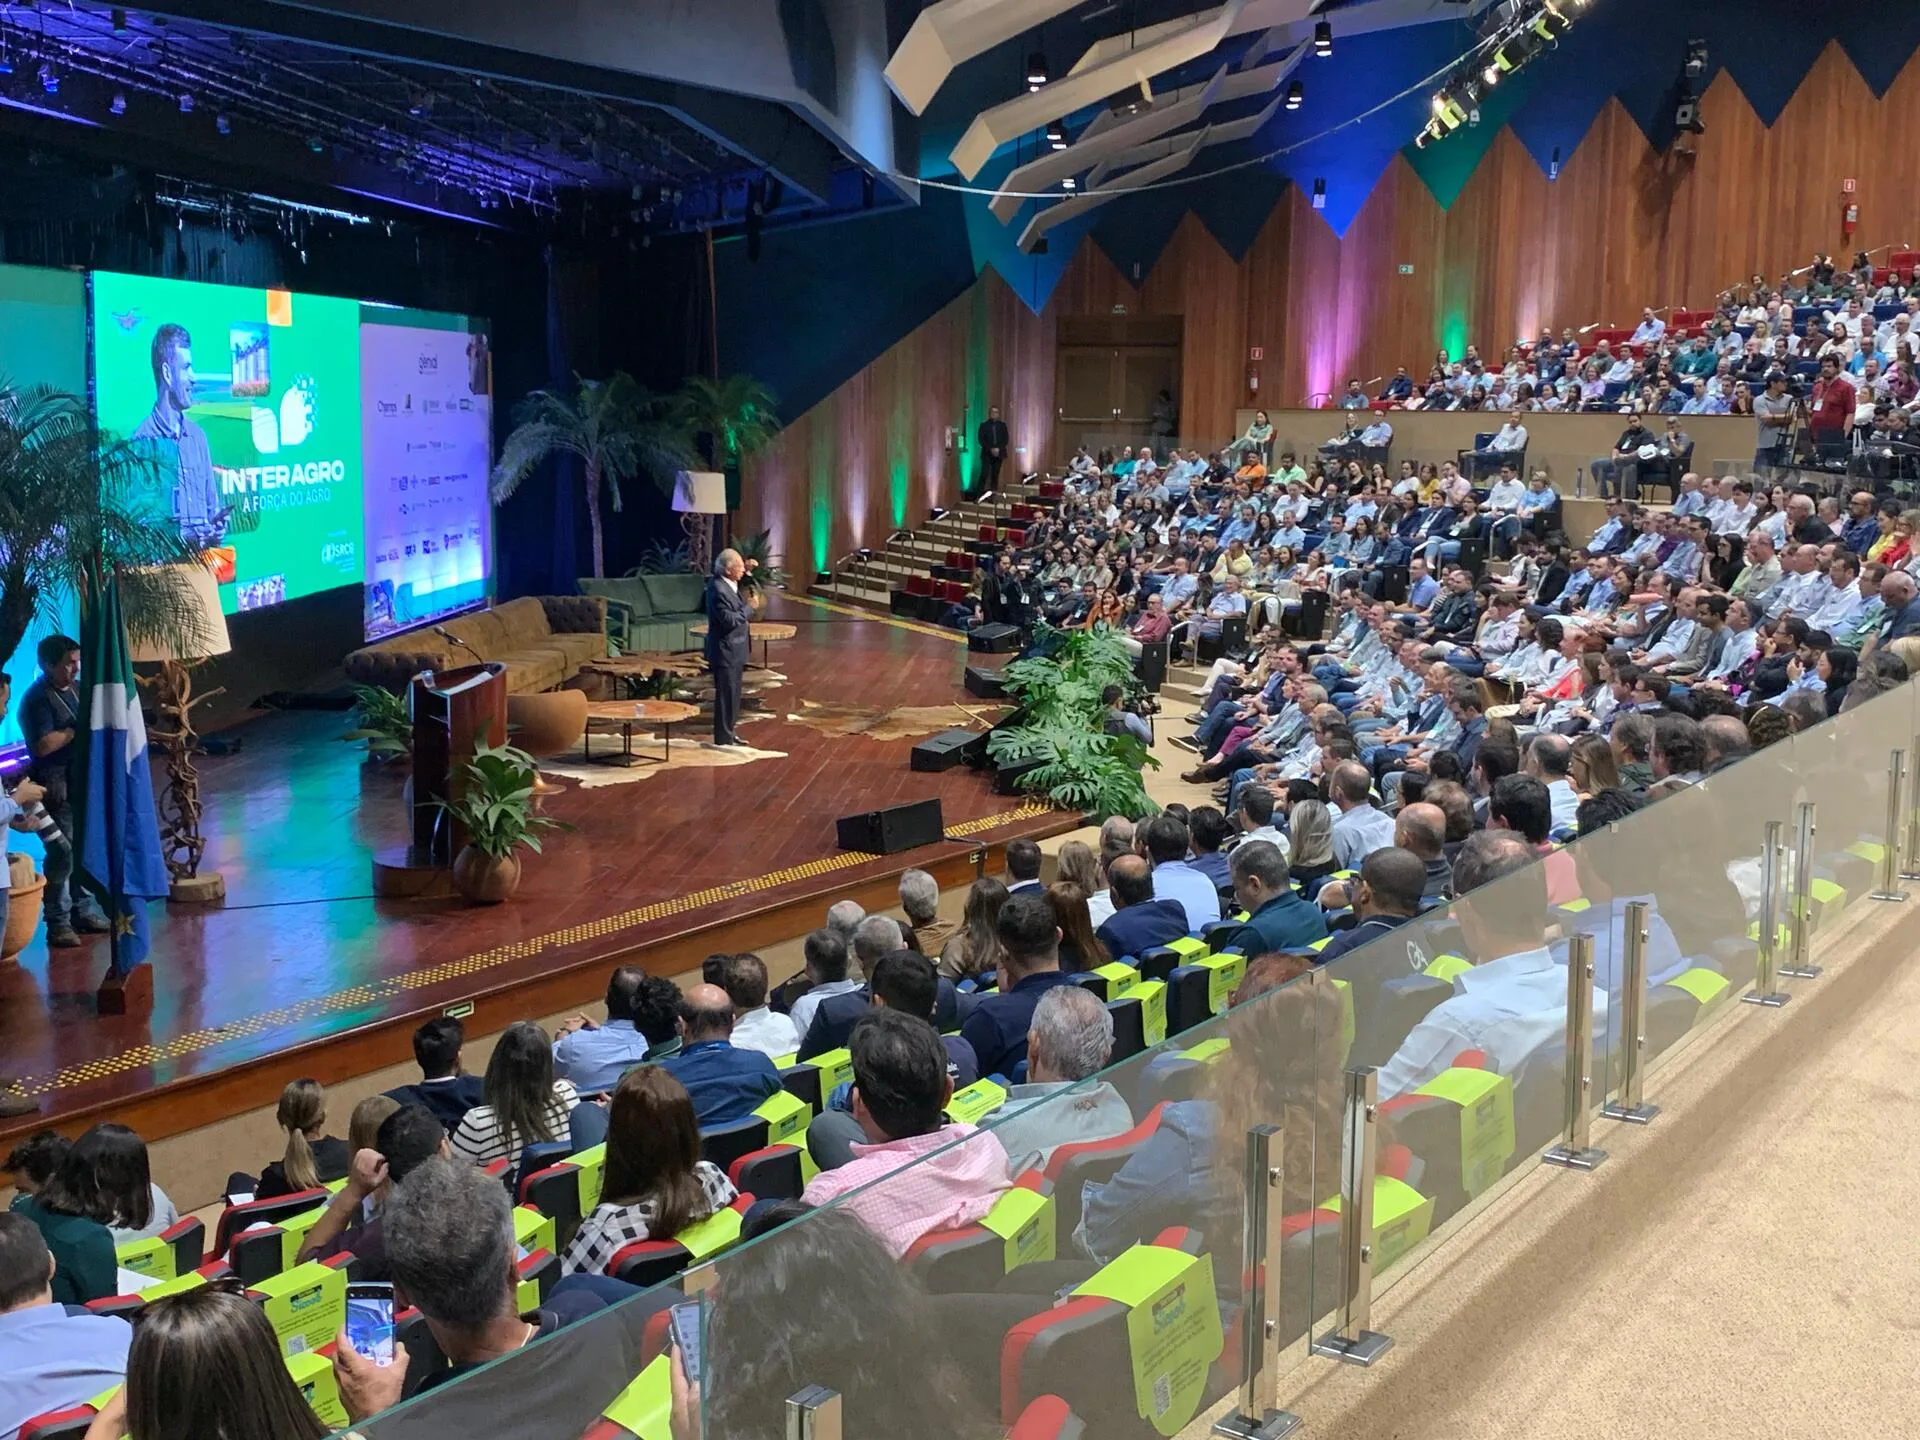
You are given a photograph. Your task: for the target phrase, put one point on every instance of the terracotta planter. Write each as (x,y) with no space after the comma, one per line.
(483,879)
(23,909)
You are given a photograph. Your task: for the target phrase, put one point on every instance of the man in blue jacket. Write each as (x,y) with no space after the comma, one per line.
(1139,922)
(1278,919)
(725,1083)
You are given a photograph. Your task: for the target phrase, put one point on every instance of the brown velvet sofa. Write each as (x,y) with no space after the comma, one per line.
(542,639)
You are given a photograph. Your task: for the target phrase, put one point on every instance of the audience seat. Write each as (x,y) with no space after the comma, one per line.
(69,1424)
(535,1158)
(974,1259)
(649,1262)
(1071,1167)
(803,1082)
(1188,998)
(555,1193)
(1460,1127)
(175,1251)
(236,1218)
(1677,1006)
(721,1145)
(1048,1418)
(257,1254)
(425,1359)
(1158,963)
(1129,1028)
(772,1173)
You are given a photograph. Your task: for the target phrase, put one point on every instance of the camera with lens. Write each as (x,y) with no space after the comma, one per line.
(36,819)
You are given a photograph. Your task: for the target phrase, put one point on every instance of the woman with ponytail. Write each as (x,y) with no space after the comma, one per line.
(312,1157)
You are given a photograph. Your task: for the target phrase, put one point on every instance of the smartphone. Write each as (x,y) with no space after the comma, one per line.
(370,1321)
(685,1323)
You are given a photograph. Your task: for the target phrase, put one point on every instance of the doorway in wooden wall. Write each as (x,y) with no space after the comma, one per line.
(1109,370)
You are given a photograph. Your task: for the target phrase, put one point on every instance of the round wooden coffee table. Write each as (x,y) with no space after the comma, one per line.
(624,715)
(765,632)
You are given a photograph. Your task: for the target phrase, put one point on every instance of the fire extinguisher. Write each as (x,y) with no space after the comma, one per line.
(1253,380)
(1850,218)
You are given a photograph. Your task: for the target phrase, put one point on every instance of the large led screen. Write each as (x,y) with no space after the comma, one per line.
(426,442)
(252,399)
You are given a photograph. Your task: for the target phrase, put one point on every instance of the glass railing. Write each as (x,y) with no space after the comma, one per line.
(1090,1243)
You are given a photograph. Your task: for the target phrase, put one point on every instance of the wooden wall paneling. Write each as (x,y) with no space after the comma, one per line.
(1197,280)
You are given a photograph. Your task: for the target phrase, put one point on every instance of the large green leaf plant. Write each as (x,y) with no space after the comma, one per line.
(1081,766)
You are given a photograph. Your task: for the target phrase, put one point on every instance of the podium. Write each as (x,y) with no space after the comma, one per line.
(453,712)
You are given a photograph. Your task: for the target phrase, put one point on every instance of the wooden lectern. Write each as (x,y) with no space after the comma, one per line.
(453,712)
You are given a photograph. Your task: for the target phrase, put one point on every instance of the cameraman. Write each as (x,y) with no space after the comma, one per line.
(50,720)
(1119,720)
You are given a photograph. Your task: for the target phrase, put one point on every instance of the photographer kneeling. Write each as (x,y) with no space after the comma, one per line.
(1119,719)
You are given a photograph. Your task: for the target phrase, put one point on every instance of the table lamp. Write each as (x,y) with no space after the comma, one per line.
(697,496)
(202,635)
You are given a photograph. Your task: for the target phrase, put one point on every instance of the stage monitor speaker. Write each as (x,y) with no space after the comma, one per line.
(948,749)
(1005,776)
(1150,666)
(1311,618)
(994,639)
(985,683)
(1473,556)
(898,827)
(1394,580)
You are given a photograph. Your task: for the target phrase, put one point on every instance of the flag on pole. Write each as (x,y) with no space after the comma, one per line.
(117,850)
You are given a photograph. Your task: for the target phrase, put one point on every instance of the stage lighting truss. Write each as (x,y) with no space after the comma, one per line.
(1520,34)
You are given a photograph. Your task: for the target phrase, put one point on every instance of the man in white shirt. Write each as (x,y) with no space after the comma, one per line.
(1742,640)
(755,1026)
(1358,829)
(1650,328)
(1549,759)
(1514,1000)
(1510,439)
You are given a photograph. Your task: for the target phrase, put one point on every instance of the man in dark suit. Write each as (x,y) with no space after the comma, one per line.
(993,440)
(444,1088)
(1139,922)
(727,642)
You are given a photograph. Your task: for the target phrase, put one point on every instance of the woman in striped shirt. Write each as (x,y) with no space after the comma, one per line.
(523,1104)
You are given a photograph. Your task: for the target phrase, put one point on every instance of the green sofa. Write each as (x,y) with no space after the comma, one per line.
(651,613)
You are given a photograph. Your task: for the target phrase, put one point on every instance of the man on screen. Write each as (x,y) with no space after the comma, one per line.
(196,494)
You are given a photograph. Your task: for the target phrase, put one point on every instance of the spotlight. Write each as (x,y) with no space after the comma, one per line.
(1696,58)
(1323,39)
(119,18)
(1319,194)
(186,102)
(49,78)
(1296,93)
(1553,166)
(1036,70)
(1067,182)
(1491,75)
(118,105)
(1056,136)
(1421,140)
(1550,24)
(222,124)
(1473,116)
(316,144)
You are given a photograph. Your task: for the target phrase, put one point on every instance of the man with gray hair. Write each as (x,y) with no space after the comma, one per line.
(449,1234)
(1116,839)
(920,902)
(829,1024)
(728,616)
(1069,1042)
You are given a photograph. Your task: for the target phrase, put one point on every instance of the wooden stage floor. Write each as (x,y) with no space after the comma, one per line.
(304,972)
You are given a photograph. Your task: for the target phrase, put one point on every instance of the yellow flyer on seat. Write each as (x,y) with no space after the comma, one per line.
(1227,973)
(314,1375)
(1025,1220)
(307,1306)
(192,1280)
(836,1069)
(1121,979)
(1485,1098)
(1173,1329)
(719,1231)
(592,1162)
(1152,995)
(786,1116)
(293,1234)
(152,1257)
(531,1230)
(974,1103)
(645,1408)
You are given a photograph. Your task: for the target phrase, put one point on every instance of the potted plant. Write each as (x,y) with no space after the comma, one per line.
(495,807)
(1078,764)
(767,574)
(613,427)
(380,718)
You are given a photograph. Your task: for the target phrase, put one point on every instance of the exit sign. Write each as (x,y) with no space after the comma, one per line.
(1848,187)
(1257,353)
(1406,269)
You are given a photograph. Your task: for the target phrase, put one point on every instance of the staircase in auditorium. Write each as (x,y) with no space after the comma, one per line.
(918,573)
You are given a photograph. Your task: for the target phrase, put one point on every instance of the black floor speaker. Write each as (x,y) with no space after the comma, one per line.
(898,827)
(985,683)
(948,749)
(993,639)
(1006,777)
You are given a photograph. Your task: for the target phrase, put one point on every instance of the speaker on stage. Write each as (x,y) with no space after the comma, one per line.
(898,827)
(1310,620)
(985,683)
(1150,666)
(948,749)
(994,639)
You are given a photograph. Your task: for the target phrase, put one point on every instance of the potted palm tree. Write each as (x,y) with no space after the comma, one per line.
(495,807)
(73,498)
(726,420)
(613,427)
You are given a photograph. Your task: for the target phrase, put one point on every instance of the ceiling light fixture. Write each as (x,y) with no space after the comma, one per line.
(1296,94)
(1323,39)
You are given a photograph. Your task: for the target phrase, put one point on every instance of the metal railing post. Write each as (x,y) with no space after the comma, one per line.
(1766,966)
(1633,1024)
(1890,858)
(1573,1152)
(1261,1239)
(1910,852)
(1352,1342)
(814,1414)
(1800,900)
